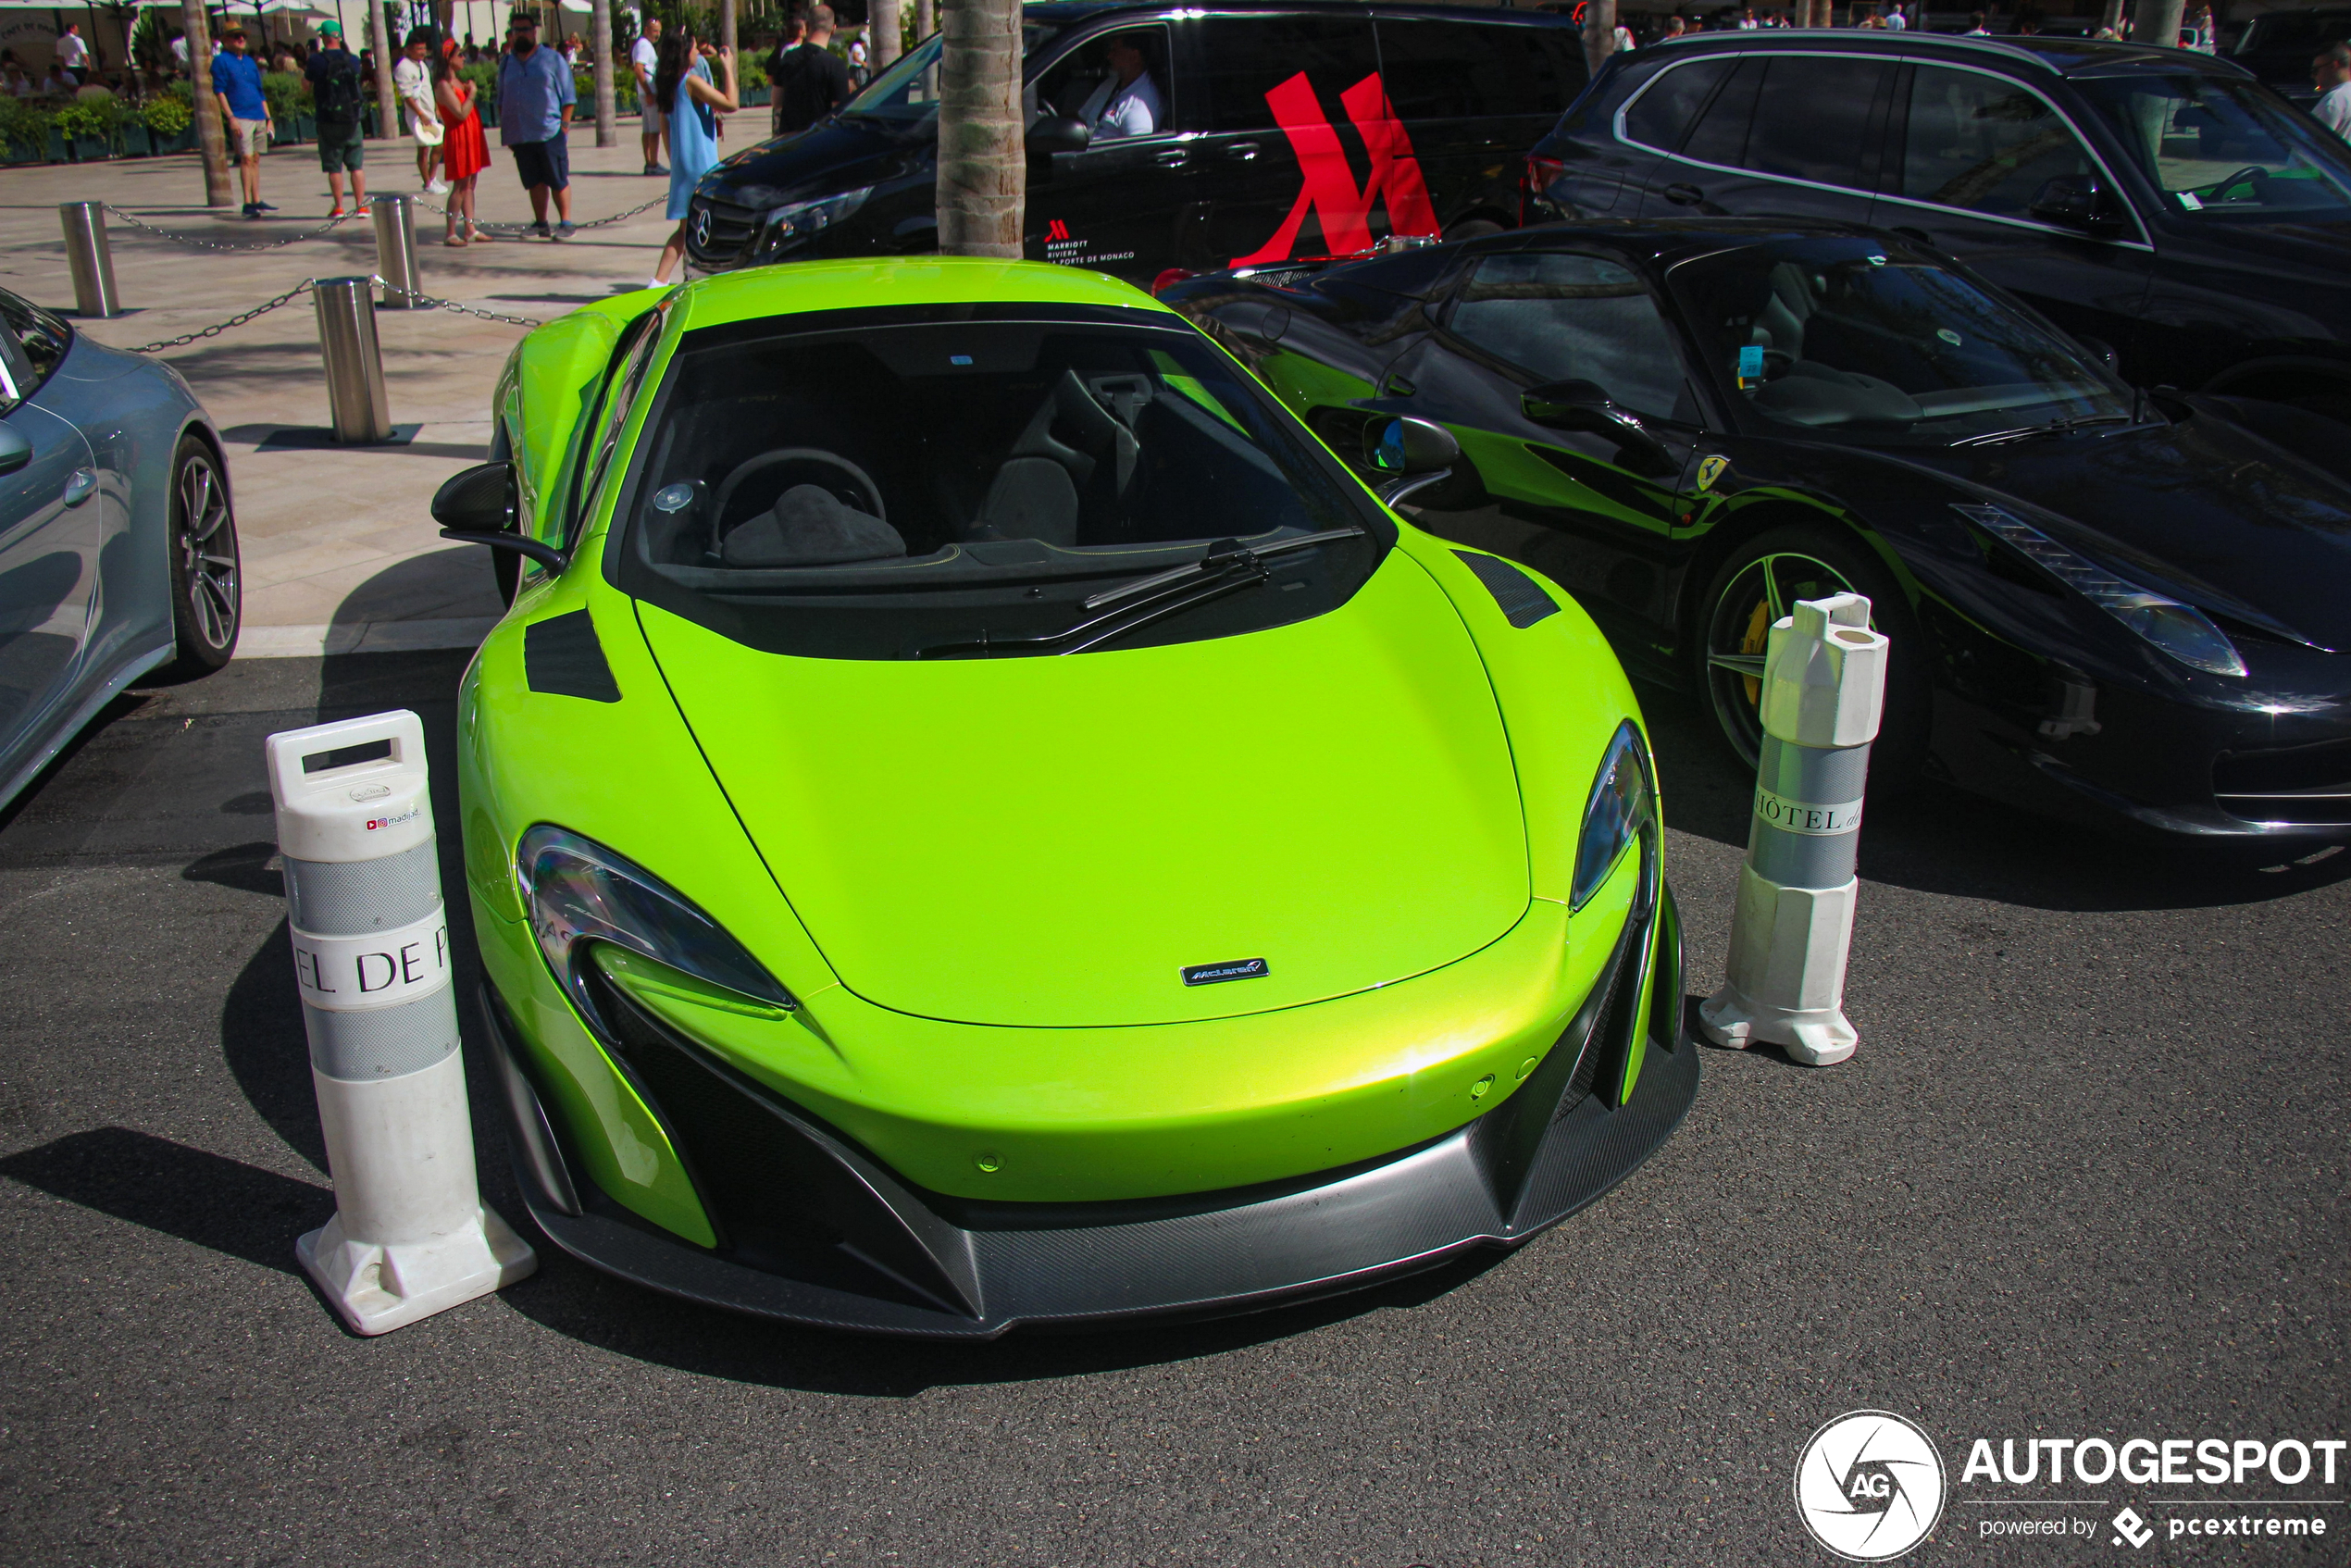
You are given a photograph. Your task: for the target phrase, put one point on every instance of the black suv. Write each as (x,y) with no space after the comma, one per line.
(2155,203)
(1411,120)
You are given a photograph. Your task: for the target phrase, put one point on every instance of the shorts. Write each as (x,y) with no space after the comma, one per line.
(653,121)
(342,147)
(544,163)
(247,138)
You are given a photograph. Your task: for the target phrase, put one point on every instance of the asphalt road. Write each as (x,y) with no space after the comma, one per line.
(2086,1178)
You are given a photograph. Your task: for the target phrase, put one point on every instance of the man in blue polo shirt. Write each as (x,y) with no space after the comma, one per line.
(535,101)
(236,81)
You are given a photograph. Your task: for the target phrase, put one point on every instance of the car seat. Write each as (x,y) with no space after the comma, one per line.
(1039,488)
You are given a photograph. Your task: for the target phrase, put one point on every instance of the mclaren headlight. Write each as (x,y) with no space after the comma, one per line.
(795,221)
(1623,807)
(581,893)
(2182,631)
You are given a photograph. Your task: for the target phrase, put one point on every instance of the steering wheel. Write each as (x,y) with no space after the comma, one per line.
(2252,174)
(870,494)
(1777,362)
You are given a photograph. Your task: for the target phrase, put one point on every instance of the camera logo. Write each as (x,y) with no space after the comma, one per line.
(2129,1526)
(1869,1485)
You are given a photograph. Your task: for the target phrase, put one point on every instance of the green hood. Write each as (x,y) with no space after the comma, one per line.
(1052,841)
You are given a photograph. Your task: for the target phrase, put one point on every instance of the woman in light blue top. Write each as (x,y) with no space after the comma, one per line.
(681,80)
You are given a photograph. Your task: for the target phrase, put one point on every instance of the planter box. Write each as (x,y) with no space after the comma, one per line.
(91,149)
(183,143)
(136,142)
(58,153)
(757,97)
(25,151)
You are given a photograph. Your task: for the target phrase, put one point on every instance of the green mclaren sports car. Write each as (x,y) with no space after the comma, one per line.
(976,817)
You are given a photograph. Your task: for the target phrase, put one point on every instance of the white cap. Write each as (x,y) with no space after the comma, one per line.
(353,790)
(1824,674)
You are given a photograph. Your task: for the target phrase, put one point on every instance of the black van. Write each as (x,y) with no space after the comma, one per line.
(1282,130)
(2159,200)
(2277,47)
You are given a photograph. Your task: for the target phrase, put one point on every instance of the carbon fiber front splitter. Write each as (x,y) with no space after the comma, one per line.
(939,1269)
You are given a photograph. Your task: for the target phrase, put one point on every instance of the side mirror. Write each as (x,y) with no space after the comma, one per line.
(14,449)
(1416,453)
(477,506)
(1409,446)
(1583,406)
(1058,133)
(2078,205)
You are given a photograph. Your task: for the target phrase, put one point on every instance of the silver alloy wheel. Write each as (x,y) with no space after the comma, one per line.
(207,544)
(1738,628)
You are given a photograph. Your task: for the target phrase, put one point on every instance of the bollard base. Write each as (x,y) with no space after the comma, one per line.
(1734,1023)
(379,1289)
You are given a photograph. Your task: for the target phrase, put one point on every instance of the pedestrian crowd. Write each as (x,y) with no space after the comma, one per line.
(2200,31)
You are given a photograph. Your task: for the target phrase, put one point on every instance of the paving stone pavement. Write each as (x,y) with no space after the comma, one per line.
(339,552)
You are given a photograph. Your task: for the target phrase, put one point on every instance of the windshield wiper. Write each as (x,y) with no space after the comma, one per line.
(2057,426)
(1215,552)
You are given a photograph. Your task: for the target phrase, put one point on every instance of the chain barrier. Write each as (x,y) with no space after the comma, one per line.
(426,301)
(429,303)
(533,228)
(219,327)
(209,245)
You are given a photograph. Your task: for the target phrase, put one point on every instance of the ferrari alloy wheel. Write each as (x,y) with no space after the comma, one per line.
(1748,598)
(207,597)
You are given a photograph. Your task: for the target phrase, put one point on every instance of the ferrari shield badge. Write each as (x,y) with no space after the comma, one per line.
(1709,470)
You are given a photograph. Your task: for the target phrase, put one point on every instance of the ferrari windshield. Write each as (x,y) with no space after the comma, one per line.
(883,487)
(2224,149)
(1836,335)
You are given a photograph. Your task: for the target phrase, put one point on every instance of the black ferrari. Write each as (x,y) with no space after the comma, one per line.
(2118,605)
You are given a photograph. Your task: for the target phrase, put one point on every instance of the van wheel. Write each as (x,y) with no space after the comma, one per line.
(1757,585)
(1473,228)
(207,590)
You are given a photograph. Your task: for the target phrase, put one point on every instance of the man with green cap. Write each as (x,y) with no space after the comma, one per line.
(337,90)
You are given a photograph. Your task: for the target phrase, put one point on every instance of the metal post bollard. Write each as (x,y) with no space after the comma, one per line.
(356,396)
(396,222)
(410,1237)
(91,259)
(1823,692)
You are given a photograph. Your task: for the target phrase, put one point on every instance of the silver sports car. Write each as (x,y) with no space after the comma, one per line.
(118,549)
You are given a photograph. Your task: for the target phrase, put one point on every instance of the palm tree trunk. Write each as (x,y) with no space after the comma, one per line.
(387,96)
(983,172)
(2156,23)
(726,26)
(1600,33)
(600,51)
(925,24)
(211,135)
(881,33)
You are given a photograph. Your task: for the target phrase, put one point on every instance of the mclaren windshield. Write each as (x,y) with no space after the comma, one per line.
(895,485)
(1839,336)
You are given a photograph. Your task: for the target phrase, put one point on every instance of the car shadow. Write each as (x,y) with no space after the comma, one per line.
(1939,839)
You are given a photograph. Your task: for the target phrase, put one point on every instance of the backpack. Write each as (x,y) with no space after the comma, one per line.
(336,95)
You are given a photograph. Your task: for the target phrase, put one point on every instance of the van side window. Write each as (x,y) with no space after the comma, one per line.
(1817,126)
(1720,136)
(1980,143)
(1461,70)
(1573,318)
(1660,115)
(1083,85)
(1247,58)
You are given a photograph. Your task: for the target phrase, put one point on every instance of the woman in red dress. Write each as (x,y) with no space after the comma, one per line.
(465,151)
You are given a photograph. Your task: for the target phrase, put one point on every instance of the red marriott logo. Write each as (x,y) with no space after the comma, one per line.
(1056,230)
(1327,186)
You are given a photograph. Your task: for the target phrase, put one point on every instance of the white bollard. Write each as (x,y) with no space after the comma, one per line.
(410,1236)
(1824,693)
